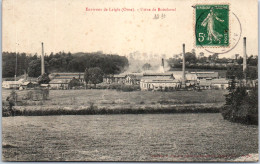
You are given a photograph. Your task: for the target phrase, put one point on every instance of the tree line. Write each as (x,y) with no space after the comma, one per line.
(61,62)
(199,61)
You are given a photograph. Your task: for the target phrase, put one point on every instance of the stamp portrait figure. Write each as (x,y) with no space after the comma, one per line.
(209,21)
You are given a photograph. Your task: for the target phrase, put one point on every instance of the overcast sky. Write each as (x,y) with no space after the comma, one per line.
(65,25)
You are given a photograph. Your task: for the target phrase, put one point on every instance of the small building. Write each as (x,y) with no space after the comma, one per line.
(191,79)
(205,84)
(120,78)
(68,76)
(59,84)
(206,75)
(161,83)
(11,84)
(133,79)
(108,79)
(213,83)
(220,83)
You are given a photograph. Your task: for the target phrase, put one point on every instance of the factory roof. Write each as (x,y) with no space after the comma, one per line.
(220,81)
(44,85)
(12,82)
(206,74)
(189,76)
(158,74)
(66,75)
(159,79)
(205,82)
(120,75)
(26,83)
(138,77)
(136,74)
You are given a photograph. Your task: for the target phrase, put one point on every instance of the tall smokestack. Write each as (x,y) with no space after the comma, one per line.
(162,67)
(42,61)
(183,64)
(162,63)
(244,56)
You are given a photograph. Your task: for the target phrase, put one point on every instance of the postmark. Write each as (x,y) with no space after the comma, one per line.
(212,25)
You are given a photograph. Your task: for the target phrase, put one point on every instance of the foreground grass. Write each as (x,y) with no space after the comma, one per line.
(133,137)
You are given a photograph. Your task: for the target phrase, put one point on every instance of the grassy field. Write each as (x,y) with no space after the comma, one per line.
(143,137)
(111,99)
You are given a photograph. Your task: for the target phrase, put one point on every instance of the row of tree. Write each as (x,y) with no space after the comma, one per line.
(61,62)
(193,59)
(236,72)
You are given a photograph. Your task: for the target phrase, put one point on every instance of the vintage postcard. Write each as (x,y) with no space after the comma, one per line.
(140,80)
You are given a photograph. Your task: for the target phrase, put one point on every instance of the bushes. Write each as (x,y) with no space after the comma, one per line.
(129,88)
(116,86)
(205,67)
(94,110)
(123,87)
(241,105)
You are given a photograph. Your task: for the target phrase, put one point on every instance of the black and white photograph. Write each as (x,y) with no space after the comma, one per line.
(130,81)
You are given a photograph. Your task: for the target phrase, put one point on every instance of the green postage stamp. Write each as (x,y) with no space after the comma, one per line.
(212,25)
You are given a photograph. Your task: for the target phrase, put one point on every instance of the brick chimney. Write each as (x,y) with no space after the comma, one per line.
(42,61)
(162,63)
(183,68)
(183,63)
(244,56)
(161,69)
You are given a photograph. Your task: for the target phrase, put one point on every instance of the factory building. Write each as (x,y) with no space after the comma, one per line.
(59,84)
(67,76)
(161,83)
(61,80)
(213,83)
(206,75)
(133,79)
(11,84)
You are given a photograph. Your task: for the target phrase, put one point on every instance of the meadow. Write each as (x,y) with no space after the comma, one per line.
(93,99)
(84,97)
(133,137)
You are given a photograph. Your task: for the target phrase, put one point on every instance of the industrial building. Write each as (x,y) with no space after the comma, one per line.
(11,84)
(161,83)
(59,84)
(213,83)
(159,80)
(133,79)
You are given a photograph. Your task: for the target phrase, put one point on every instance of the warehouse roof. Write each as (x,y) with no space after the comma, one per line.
(206,74)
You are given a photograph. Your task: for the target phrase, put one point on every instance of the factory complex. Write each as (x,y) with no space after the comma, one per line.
(160,80)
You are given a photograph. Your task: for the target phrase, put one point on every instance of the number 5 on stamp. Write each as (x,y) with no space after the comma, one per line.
(212,25)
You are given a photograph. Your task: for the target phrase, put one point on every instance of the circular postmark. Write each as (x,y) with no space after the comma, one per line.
(217,29)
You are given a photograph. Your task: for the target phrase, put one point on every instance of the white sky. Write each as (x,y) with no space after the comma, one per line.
(65,25)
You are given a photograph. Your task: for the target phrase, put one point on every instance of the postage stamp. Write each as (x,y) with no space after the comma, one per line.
(212,25)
